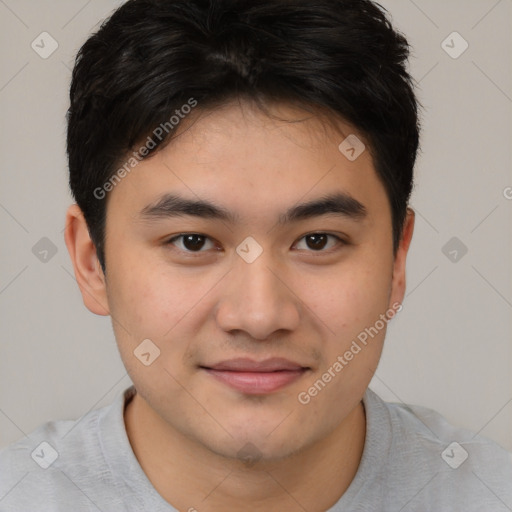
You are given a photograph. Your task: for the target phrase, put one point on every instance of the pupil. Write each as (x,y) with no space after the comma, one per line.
(193,242)
(317,241)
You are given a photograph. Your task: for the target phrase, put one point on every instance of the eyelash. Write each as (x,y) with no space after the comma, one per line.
(339,242)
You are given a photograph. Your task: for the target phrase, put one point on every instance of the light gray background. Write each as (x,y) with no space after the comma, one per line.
(449,349)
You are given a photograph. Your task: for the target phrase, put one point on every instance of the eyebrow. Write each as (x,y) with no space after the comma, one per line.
(173,205)
(339,203)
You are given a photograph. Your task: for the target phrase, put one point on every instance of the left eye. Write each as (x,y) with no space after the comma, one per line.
(318,241)
(191,242)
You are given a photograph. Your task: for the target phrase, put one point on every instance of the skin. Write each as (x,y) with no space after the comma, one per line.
(294,302)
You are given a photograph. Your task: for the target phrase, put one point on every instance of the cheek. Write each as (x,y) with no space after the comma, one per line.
(134,298)
(155,301)
(351,297)
(146,304)
(351,306)
(149,298)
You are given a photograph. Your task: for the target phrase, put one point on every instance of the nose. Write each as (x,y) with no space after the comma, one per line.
(258,300)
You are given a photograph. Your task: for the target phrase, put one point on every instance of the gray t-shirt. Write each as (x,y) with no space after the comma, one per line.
(413,460)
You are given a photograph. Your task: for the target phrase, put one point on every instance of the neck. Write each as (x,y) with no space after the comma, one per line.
(191,477)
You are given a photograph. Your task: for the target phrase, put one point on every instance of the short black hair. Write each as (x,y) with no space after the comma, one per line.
(152,58)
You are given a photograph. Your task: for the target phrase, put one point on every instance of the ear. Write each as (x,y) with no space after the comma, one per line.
(398,283)
(88,272)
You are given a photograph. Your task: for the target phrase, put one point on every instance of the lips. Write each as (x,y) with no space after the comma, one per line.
(248,365)
(256,377)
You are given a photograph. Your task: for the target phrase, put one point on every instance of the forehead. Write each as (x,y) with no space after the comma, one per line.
(256,162)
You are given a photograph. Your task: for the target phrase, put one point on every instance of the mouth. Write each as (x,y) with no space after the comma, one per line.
(256,378)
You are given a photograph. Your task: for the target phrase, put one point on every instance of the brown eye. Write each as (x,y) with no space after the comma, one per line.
(317,242)
(191,242)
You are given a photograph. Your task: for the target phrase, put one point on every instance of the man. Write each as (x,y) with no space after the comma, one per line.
(242,172)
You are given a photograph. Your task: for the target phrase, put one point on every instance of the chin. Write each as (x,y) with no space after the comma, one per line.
(254,452)
(260,445)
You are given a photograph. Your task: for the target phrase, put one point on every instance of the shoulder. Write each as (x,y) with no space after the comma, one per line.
(37,472)
(434,433)
(445,464)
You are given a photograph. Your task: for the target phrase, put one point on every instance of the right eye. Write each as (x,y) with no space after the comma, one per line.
(191,242)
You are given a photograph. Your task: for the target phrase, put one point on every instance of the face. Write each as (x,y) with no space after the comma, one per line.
(254,254)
